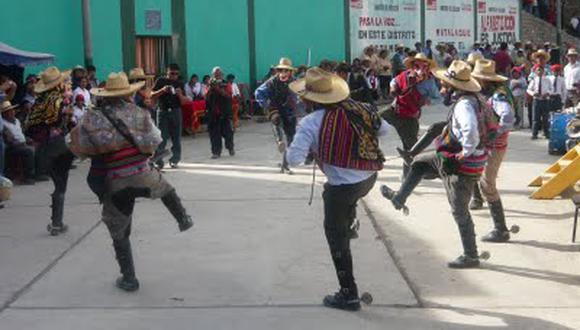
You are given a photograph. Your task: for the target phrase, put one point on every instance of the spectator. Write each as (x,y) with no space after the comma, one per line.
(520,59)
(7,88)
(540,89)
(503,60)
(518,86)
(488,52)
(234,90)
(427,50)
(370,54)
(441,57)
(575,24)
(384,72)
(373,85)
(16,143)
(418,48)
(83,89)
(205,85)
(517,47)
(92,76)
(193,88)
(572,77)
(558,88)
(397,64)
(358,87)
(219,109)
(76,75)
(476,49)
(169,90)
(79,109)
(541,58)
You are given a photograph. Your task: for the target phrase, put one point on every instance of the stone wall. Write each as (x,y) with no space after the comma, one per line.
(540,31)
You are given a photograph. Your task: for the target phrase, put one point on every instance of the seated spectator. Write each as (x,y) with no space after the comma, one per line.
(16,143)
(83,90)
(193,88)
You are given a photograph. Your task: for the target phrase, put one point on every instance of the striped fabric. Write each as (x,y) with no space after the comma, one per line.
(125,162)
(448,147)
(348,137)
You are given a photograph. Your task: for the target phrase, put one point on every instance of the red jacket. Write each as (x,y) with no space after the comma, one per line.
(409,101)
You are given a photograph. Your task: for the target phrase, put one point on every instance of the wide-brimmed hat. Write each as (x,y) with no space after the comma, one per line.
(541,53)
(459,76)
(485,70)
(138,73)
(420,57)
(572,52)
(321,87)
(474,57)
(117,85)
(284,64)
(49,79)
(6,105)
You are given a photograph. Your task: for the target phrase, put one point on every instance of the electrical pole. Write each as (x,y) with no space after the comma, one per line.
(559,24)
(87,32)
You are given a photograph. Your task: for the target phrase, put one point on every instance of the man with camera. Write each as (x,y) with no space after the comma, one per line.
(219,114)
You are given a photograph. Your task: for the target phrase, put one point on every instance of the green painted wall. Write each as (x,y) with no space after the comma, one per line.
(53,26)
(107,39)
(217,35)
(290,28)
(141,6)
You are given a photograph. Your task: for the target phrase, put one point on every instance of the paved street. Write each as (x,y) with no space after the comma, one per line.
(257,257)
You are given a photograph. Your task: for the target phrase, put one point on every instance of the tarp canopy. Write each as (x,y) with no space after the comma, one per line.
(12,56)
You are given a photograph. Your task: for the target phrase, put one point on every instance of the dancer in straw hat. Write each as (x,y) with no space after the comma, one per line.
(501,101)
(120,138)
(275,98)
(344,135)
(459,160)
(47,126)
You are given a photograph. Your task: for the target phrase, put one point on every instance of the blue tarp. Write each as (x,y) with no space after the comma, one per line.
(12,56)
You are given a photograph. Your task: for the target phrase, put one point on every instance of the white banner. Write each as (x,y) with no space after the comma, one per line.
(450,21)
(498,21)
(383,23)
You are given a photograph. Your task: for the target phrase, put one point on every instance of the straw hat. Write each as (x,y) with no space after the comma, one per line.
(285,64)
(117,85)
(572,52)
(420,57)
(485,70)
(138,73)
(459,76)
(474,57)
(541,53)
(6,105)
(321,87)
(49,79)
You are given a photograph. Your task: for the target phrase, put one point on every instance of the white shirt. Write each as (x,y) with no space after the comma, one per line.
(85,93)
(306,140)
(558,86)
(518,86)
(194,91)
(534,87)
(14,131)
(464,127)
(572,75)
(235,90)
(78,113)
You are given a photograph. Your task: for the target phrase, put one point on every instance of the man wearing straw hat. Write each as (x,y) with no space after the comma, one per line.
(572,77)
(47,126)
(344,136)
(120,138)
(500,100)
(412,89)
(275,97)
(459,160)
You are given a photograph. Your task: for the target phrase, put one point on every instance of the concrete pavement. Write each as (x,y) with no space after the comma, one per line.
(257,258)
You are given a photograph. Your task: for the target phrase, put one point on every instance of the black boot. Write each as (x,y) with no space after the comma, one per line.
(345,299)
(470,257)
(173,204)
(390,194)
(477,199)
(500,233)
(56,225)
(128,282)
(424,141)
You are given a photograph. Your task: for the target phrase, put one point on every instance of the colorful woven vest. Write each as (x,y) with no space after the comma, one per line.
(348,137)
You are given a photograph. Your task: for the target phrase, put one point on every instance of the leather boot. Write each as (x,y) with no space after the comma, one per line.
(424,141)
(128,281)
(470,257)
(173,203)
(477,199)
(56,225)
(500,232)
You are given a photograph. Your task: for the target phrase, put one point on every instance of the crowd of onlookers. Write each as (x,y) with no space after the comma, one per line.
(548,11)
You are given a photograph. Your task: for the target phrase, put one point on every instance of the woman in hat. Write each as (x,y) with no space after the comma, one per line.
(344,134)
(501,101)
(412,89)
(120,138)
(280,104)
(459,160)
(47,126)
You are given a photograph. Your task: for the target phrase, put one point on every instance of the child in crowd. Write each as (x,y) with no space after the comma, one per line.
(540,89)
(373,84)
(559,88)
(82,89)
(518,86)
(79,109)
